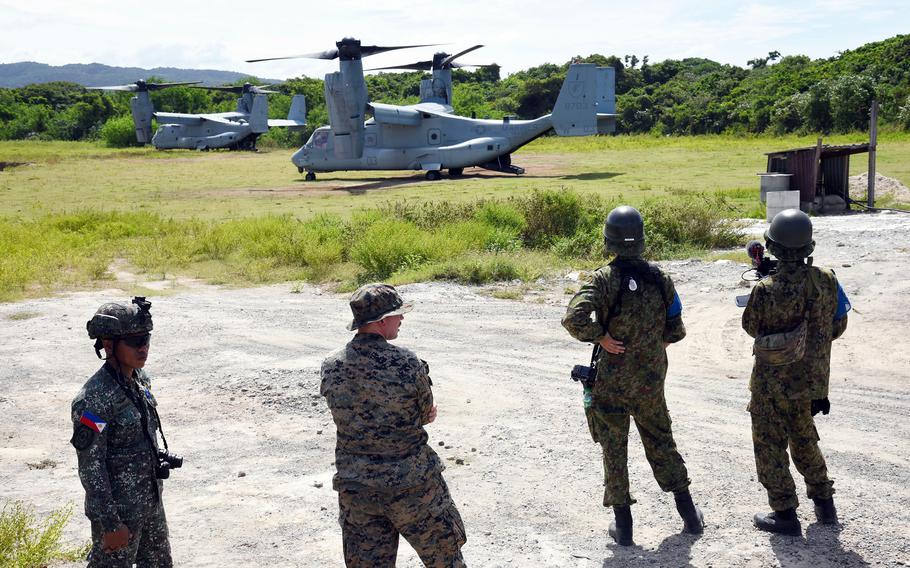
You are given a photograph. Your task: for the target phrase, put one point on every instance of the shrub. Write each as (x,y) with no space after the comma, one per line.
(29,542)
(119,132)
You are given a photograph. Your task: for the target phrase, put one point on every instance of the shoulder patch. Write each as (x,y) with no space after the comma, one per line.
(82,437)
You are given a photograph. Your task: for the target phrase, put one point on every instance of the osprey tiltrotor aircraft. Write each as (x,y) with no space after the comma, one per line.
(428,136)
(233,130)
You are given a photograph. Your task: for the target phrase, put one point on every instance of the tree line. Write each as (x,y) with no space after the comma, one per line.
(773,94)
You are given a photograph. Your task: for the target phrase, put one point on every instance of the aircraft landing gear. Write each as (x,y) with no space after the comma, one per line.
(456,172)
(433,175)
(310,176)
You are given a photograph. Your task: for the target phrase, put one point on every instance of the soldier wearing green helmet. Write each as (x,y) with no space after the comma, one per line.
(636,315)
(794,315)
(115,434)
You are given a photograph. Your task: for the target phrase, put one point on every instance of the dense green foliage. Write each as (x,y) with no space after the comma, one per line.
(690,96)
(476,241)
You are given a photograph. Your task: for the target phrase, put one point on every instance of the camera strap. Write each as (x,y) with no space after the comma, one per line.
(142,408)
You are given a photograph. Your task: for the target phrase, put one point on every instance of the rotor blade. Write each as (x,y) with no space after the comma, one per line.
(114,88)
(451,58)
(367,50)
(485,65)
(328,54)
(154,86)
(419,66)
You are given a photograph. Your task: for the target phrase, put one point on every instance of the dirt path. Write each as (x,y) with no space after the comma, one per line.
(236,374)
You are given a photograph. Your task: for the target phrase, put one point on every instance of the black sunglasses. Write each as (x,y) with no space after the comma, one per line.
(137,341)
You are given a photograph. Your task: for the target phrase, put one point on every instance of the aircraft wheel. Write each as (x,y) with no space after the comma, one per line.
(310,176)
(434,175)
(456,172)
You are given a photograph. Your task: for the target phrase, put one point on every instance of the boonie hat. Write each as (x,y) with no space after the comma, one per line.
(373,302)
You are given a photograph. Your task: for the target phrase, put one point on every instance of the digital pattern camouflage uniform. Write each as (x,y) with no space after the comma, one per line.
(632,383)
(388,479)
(782,395)
(117,470)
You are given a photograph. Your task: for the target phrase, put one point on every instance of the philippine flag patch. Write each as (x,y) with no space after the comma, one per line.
(92,421)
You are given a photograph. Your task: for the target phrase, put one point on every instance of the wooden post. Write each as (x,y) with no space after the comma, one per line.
(816,166)
(873,139)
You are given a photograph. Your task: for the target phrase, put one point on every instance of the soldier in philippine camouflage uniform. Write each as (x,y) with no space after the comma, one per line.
(389,481)
(637,314)
(795,314)
(115,425)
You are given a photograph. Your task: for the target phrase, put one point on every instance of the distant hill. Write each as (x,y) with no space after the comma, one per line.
(95,74)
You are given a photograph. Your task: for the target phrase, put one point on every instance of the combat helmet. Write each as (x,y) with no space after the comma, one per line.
(624,232)
(113,320)
(790,235)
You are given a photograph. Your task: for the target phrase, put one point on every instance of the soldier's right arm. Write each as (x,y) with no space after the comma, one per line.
(592,298)
(840,315)
(752,313)
(91,451)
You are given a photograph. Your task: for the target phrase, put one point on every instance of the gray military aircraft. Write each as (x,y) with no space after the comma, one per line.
(236,130)
(428,136)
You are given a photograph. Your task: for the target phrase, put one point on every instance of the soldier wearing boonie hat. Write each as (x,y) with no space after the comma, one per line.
(389,480)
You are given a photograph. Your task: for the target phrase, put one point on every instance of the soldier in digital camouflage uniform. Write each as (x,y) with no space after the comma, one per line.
(389,481)
(637,314)
(785,397)
(115,422)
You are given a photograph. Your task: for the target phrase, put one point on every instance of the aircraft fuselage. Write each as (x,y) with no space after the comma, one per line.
(437,142)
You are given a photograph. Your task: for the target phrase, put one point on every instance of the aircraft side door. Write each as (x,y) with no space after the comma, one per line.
(434,137)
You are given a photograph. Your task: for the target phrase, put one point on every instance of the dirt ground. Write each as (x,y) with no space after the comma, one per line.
(236,376)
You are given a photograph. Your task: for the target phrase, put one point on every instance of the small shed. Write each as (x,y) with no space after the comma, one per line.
(817,172)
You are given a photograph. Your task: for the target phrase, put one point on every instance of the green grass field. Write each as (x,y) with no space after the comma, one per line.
(72,209)
(63,177)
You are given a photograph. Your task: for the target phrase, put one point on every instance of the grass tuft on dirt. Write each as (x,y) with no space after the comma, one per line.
(27,541)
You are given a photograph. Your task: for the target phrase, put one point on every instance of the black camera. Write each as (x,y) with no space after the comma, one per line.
(584,374)
(761,264)
(166,462)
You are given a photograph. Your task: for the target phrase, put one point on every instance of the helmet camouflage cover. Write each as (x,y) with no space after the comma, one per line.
(118,320)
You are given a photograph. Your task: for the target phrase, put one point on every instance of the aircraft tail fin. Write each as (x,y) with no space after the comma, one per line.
(575,113)
(298,109)
(259,114)
(606,100)
(142,111)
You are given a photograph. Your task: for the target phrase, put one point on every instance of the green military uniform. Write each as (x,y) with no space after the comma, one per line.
(782,395)
(117,467)
(389,480)
(631,383)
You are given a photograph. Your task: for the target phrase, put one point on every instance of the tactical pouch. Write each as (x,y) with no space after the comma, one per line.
(782,348)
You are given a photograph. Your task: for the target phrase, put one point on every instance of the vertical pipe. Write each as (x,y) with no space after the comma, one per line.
(873,139)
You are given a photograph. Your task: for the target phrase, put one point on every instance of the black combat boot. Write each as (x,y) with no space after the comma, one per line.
(693,520)
(783,522)
(621,528)
(825,511)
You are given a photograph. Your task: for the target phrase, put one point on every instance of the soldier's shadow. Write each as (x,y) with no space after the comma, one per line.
(822,541)
(678,547)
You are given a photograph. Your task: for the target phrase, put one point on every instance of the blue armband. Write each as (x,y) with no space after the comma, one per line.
(675,308)
(843,304)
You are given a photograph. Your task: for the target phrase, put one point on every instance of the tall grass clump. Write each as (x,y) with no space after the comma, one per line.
(29,542)
(471,242)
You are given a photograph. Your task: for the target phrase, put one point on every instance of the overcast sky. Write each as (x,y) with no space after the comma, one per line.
(517,33)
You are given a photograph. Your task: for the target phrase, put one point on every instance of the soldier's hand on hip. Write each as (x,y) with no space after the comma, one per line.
(113,541)
(611,345)
(431,415)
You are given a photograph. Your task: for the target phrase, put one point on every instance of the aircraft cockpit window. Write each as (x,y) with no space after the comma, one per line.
(320,139)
